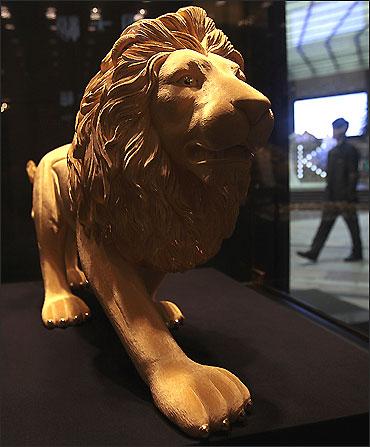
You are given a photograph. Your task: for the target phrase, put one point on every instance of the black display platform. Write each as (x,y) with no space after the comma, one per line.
(78,387)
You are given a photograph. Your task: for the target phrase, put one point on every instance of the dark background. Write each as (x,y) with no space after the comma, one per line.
(44,72)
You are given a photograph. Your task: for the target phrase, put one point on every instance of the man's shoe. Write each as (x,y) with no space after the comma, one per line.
(308,255)
(353,258)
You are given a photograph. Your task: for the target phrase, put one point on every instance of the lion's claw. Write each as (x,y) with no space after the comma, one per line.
(76,278)
(79,285)
(242,416)
(248,406)
(204,431)
(49,324)
(176,324)
(226,425)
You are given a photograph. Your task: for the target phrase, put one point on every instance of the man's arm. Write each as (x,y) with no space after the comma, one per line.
(353,174)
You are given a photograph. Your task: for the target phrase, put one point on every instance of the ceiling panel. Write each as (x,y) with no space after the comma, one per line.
(326,37)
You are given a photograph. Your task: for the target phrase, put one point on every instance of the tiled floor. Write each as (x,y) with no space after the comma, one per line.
(335,287)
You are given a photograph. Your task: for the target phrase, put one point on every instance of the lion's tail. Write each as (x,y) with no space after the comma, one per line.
(31,169)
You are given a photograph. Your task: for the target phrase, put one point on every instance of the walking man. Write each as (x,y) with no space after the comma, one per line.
(340,195)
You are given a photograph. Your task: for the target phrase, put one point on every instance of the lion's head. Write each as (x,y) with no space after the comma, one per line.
(160,159)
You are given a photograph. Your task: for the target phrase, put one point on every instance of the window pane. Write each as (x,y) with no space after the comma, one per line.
(327,52)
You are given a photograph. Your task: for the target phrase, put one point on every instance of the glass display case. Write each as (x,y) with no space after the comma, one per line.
(311,60)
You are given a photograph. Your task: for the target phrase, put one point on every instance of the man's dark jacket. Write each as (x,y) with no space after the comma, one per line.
(342,173)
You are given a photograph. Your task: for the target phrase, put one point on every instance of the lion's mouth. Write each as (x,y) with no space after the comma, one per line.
(261,131)
(201,153)
(233,154)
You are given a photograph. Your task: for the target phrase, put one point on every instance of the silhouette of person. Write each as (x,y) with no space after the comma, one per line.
(340,195)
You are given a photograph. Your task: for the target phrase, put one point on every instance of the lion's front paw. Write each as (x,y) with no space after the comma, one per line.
(200,399)
(171,314)
(65,311)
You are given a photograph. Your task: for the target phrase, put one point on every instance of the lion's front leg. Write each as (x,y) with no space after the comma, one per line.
(199,399)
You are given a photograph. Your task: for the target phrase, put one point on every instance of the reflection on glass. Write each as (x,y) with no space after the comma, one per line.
(5,13)
(51,13)
(327,50)
(352,107)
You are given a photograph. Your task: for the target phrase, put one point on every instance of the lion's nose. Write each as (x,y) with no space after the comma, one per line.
(253,103)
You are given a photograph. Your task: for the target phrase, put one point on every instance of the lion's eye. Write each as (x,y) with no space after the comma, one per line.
(240,75)
(188,81)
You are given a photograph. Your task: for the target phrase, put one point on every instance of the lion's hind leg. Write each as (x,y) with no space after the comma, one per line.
(171,314)
(61,308)
(75,276)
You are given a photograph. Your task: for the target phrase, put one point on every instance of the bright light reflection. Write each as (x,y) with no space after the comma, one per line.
(95,14)
(316,115)
(5,13)
(51,13)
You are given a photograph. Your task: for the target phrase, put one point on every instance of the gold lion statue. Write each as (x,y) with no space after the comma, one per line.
(152,183)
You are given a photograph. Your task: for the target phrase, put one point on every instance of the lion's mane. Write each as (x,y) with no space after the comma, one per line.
(124,187)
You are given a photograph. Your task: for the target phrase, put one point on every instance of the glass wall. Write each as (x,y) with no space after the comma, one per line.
(309,58)
(50,50)
(328,59)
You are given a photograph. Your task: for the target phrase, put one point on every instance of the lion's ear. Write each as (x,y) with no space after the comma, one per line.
(106,63)
(238,58)
(111,59)
(77,151)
